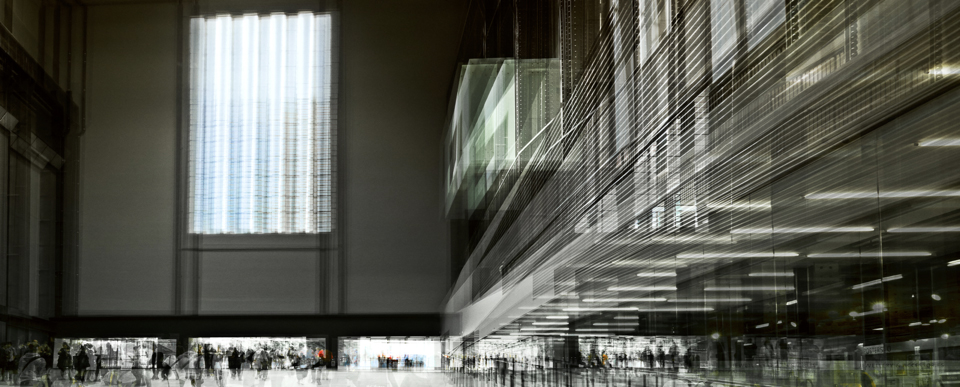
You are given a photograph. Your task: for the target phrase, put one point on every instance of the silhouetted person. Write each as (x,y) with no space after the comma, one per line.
(156,362)
(81,362)
(63,360)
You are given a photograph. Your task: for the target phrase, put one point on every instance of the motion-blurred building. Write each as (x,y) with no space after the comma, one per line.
(691,190)
(737,181)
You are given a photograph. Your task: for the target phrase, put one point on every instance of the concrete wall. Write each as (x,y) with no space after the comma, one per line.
(398,62)
(395,76)
(127,208)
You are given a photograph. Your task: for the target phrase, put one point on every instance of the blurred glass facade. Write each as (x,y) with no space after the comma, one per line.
(724,191)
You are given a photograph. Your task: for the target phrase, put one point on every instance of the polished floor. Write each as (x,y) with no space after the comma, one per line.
(277,379)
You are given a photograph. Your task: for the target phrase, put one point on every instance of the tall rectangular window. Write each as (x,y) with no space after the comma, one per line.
(260,124)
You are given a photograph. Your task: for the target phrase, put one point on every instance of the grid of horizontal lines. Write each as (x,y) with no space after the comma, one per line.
(260,124)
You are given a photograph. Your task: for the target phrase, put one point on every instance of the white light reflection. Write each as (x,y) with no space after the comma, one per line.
(543,329)
(747,288)
(887,194)
(667,274)
(640,288)
(940,142)
(799,230)
(711,300)
(877,282)
(771,274)
(600,310)
(604,329)
(737,255)
(871,255)
(740,206)
(924,229)
(624,299)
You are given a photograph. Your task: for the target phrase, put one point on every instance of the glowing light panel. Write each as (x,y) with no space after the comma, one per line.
(260,124)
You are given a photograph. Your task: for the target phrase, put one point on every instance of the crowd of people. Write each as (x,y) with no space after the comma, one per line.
(407,362)
(33,364)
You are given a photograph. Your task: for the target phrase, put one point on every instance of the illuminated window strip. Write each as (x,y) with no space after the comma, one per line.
(260,124)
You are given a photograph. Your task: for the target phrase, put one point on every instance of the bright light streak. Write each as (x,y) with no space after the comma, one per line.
(737,255)
(704,309)
(558,317)
(924,229)
(871,255)
(799,230)
(711,300)
(665,274)
(624,299)
(600,310)
(543,329)
(764,325)
(877,282)
(747,288)
(792,302)
(550,323)
(954,263)
(640,288)
(740,206)
(940,142)
(771,274)
(887,194)
(604,329)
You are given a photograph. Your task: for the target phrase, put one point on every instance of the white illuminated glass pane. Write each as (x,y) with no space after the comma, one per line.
(260,124)
(723,35)
(763,17)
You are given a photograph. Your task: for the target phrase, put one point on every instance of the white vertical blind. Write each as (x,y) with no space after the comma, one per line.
(260,124)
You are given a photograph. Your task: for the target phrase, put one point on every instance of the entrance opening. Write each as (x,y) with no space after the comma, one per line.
(395,353)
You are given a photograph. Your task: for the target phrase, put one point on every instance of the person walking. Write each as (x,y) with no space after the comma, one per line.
(234,359)
(81,363)
(187,366)
(156,362)
(31,366)
(63,360)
